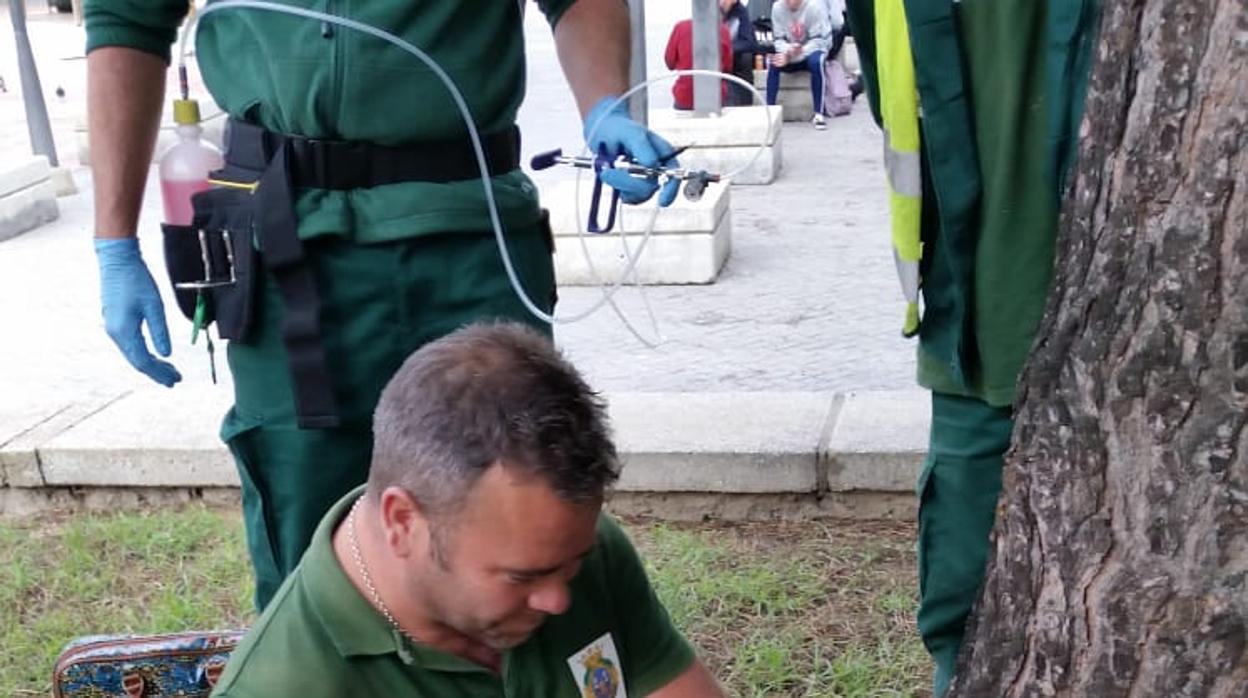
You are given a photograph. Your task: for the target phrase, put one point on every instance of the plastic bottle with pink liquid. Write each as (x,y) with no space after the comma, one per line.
(184,167)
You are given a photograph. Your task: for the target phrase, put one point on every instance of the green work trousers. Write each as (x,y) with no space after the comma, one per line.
(380,302)
(957,501)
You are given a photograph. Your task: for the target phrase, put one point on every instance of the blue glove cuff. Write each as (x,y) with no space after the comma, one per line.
(601,111)
(114,250)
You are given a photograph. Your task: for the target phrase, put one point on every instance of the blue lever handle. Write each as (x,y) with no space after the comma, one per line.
(600,163)
(614,206)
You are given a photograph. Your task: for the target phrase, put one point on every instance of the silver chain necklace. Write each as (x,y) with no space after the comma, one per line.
(368,578)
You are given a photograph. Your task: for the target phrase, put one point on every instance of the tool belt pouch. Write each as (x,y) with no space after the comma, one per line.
(216,256)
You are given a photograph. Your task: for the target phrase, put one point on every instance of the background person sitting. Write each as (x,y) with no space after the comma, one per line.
(744,47)
(802,34)
(679,56)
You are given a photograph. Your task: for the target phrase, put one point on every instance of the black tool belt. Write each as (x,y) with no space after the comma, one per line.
(264,169)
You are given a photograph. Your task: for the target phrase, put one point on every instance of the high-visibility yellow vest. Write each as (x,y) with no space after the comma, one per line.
(899,110)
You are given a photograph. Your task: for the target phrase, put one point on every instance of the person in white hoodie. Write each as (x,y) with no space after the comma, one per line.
(802,31)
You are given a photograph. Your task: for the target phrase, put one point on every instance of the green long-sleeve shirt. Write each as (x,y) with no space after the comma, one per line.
(1001,91)
(294,75)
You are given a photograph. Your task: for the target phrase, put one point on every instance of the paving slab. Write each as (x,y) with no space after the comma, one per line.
(150,438)
(21,436)
(19,464)
(879,441)
(728,442)
(28,208)
(720,442)
(724,455)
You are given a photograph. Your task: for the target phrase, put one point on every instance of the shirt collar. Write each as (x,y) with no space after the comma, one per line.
(354,626)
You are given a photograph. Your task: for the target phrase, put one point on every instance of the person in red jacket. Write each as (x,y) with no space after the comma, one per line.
(679,56)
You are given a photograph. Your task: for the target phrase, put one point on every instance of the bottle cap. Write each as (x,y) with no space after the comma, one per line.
(185,112)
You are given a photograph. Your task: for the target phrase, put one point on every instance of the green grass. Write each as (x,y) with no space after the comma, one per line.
(809,610)
(129,573)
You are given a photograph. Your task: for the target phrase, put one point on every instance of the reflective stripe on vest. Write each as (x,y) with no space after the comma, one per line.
(899,110)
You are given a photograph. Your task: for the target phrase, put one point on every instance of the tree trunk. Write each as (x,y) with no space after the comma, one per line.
(1120,560)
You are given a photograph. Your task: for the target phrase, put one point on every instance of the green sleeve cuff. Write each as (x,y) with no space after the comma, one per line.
(655,652)
(669,660)
(150,27)
(554,9)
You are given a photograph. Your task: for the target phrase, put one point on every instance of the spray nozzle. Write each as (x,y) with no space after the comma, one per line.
(695,180)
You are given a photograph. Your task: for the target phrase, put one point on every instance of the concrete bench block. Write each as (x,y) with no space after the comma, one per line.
(150,438)
(719,442)
(683,216)
(879,441)
(23,174)
(794,96)
(748,169)
(27,197)
(690,244)
(687,258)
(727,143)
(735,126)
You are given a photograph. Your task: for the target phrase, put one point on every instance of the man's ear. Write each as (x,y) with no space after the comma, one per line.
(404,525)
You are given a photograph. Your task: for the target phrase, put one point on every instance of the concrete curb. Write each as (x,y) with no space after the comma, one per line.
(27,196)
(763,448)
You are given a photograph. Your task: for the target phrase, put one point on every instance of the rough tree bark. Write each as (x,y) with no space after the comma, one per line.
(1120,560)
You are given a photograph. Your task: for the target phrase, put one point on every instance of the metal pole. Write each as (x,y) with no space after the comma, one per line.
(706,97)
(639,103)
(41,142)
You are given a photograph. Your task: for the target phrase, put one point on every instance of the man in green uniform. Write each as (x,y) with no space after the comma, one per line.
(476,561)
(370,211)
(1000,87)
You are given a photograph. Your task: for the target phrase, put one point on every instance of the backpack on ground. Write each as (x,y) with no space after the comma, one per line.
(838,99)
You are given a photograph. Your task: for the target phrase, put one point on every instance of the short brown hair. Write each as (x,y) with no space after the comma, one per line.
(485,394)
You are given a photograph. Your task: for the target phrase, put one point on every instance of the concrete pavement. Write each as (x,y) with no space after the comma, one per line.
(782,389)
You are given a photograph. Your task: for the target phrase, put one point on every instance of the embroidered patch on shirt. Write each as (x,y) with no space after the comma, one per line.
(596,669)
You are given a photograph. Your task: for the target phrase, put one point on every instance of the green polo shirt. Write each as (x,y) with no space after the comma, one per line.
(293,75)
(320,637)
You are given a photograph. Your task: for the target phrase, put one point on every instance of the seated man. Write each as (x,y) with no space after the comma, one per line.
(744,46)
(476,560)
(679,56)
(802,35)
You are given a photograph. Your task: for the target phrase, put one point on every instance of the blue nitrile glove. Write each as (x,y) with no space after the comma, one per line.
(129,298)
(610,132)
